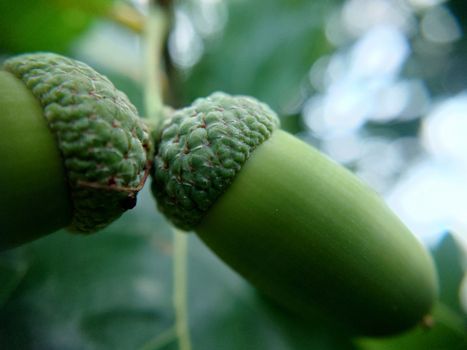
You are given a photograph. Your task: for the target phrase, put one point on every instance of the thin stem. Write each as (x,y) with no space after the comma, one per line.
(180,289)
(126,16)
(155,34)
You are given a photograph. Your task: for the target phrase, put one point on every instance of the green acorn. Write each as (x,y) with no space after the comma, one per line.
(298,226)
(74,152)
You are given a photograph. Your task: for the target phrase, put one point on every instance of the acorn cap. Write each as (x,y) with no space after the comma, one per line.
(104,145)
(200,150)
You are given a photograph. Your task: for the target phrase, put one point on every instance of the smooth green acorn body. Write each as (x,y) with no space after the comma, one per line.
(313,237)
(34,197)
(298,226)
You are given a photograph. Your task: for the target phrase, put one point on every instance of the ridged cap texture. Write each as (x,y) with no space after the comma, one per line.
(104,145)
(200,149)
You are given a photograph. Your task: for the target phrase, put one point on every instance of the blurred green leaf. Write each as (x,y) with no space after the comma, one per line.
(45,25)
(449,258)
(459,8)
(266,50)
(113,290)
(108,291)
(12,271)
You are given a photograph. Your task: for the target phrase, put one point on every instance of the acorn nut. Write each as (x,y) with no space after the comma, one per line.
(74,152)
(298,226)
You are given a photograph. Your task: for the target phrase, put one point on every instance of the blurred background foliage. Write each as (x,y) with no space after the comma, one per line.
(378,85)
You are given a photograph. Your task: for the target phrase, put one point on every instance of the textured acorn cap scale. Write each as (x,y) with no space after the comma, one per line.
(201,148)
(297,225)
(103,146)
